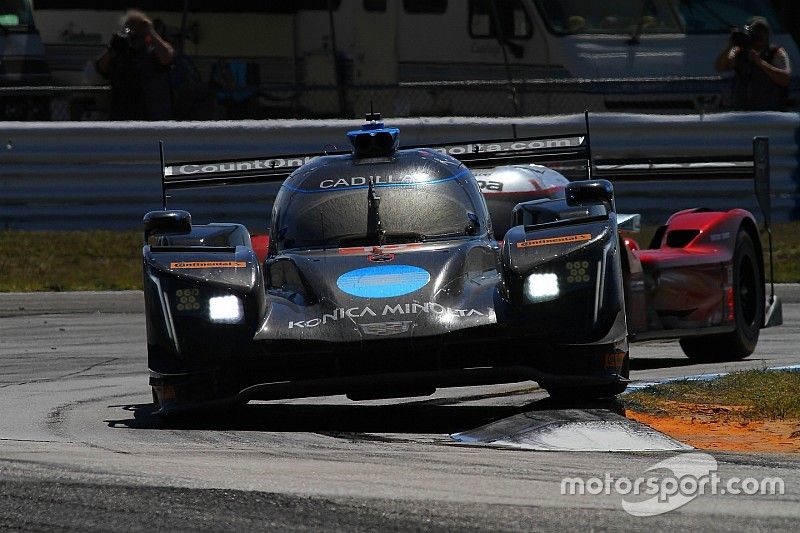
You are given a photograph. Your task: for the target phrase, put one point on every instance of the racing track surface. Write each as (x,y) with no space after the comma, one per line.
(78,448)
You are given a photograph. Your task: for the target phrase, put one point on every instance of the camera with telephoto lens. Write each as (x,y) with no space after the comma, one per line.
(121,42)
(741,39)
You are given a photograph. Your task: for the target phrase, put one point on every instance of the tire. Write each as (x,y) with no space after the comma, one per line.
(748,304)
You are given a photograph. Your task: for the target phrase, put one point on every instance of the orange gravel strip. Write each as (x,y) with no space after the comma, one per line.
(710,429)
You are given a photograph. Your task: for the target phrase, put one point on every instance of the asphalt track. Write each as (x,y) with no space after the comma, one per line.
(79,449)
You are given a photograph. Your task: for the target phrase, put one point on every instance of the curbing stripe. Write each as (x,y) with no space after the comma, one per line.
(633,387)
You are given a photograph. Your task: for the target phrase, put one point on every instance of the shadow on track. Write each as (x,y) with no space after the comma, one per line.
(345,420)
(655,363)
(673,362)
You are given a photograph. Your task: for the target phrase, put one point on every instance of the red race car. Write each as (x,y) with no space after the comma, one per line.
(701,278)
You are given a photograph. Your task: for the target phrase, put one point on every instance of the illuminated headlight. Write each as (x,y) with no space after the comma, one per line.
(225,309)
(541,287)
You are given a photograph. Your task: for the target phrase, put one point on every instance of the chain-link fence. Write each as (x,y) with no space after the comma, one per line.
(50,103)
(517,98)
(409,99)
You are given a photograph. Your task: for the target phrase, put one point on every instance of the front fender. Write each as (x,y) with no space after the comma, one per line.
(183,288)
(582,258)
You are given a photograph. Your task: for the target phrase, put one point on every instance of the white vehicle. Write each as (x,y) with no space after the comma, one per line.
(401,43)
(22,63)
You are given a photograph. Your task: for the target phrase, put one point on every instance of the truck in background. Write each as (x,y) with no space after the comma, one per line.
(437,57)
(22,64)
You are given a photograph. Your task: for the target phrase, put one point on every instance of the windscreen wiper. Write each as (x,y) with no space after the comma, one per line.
(442,236)
(374,220)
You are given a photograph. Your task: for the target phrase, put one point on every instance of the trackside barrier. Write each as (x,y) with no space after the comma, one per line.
(106,174)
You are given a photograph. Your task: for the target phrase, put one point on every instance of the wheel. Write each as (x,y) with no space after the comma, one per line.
(748,305)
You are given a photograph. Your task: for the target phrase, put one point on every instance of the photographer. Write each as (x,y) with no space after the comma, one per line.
(762,69)
(137,63)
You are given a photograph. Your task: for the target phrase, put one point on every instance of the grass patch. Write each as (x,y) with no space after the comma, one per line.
(111,260)
(785,250)
(751,395)
(70,260)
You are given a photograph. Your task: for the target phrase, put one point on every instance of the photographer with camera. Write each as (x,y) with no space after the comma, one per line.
(137,63)
(762,70)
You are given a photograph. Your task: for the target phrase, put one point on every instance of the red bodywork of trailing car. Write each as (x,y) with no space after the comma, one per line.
(260,246)
(684,282)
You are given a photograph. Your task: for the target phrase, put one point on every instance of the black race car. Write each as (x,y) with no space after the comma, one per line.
(381,277)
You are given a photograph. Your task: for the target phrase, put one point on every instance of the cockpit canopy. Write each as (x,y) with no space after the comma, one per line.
(421,196)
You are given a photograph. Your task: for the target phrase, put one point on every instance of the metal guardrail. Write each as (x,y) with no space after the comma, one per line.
(106,175)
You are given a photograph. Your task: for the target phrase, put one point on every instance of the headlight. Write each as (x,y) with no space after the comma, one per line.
(225,309)
(578,272)
(187,300)
(541,287)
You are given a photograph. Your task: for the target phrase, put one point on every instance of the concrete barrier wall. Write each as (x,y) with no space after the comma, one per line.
(106,175)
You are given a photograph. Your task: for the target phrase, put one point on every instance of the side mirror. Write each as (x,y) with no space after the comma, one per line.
(761,174)
(591,192)
(535,212)
(174,222)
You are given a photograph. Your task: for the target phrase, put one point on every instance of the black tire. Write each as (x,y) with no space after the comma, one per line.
(748,304)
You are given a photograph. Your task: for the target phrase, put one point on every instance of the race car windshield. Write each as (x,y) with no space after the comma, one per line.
(414,213)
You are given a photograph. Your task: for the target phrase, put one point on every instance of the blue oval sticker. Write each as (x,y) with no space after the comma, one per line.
(383,281)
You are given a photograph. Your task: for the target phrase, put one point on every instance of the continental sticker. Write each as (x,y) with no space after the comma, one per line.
(208,264)
(565,239)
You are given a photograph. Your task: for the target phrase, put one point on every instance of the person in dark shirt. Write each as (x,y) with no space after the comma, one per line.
(762,69)
(137,63)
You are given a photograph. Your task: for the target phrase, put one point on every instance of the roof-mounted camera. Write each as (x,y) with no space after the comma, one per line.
(374,139)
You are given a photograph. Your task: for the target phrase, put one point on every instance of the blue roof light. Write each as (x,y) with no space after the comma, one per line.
(374,139)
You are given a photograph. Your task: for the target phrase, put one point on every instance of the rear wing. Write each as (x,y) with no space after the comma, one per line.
(655,168)
(275,169)
(191,174)
(575,147)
